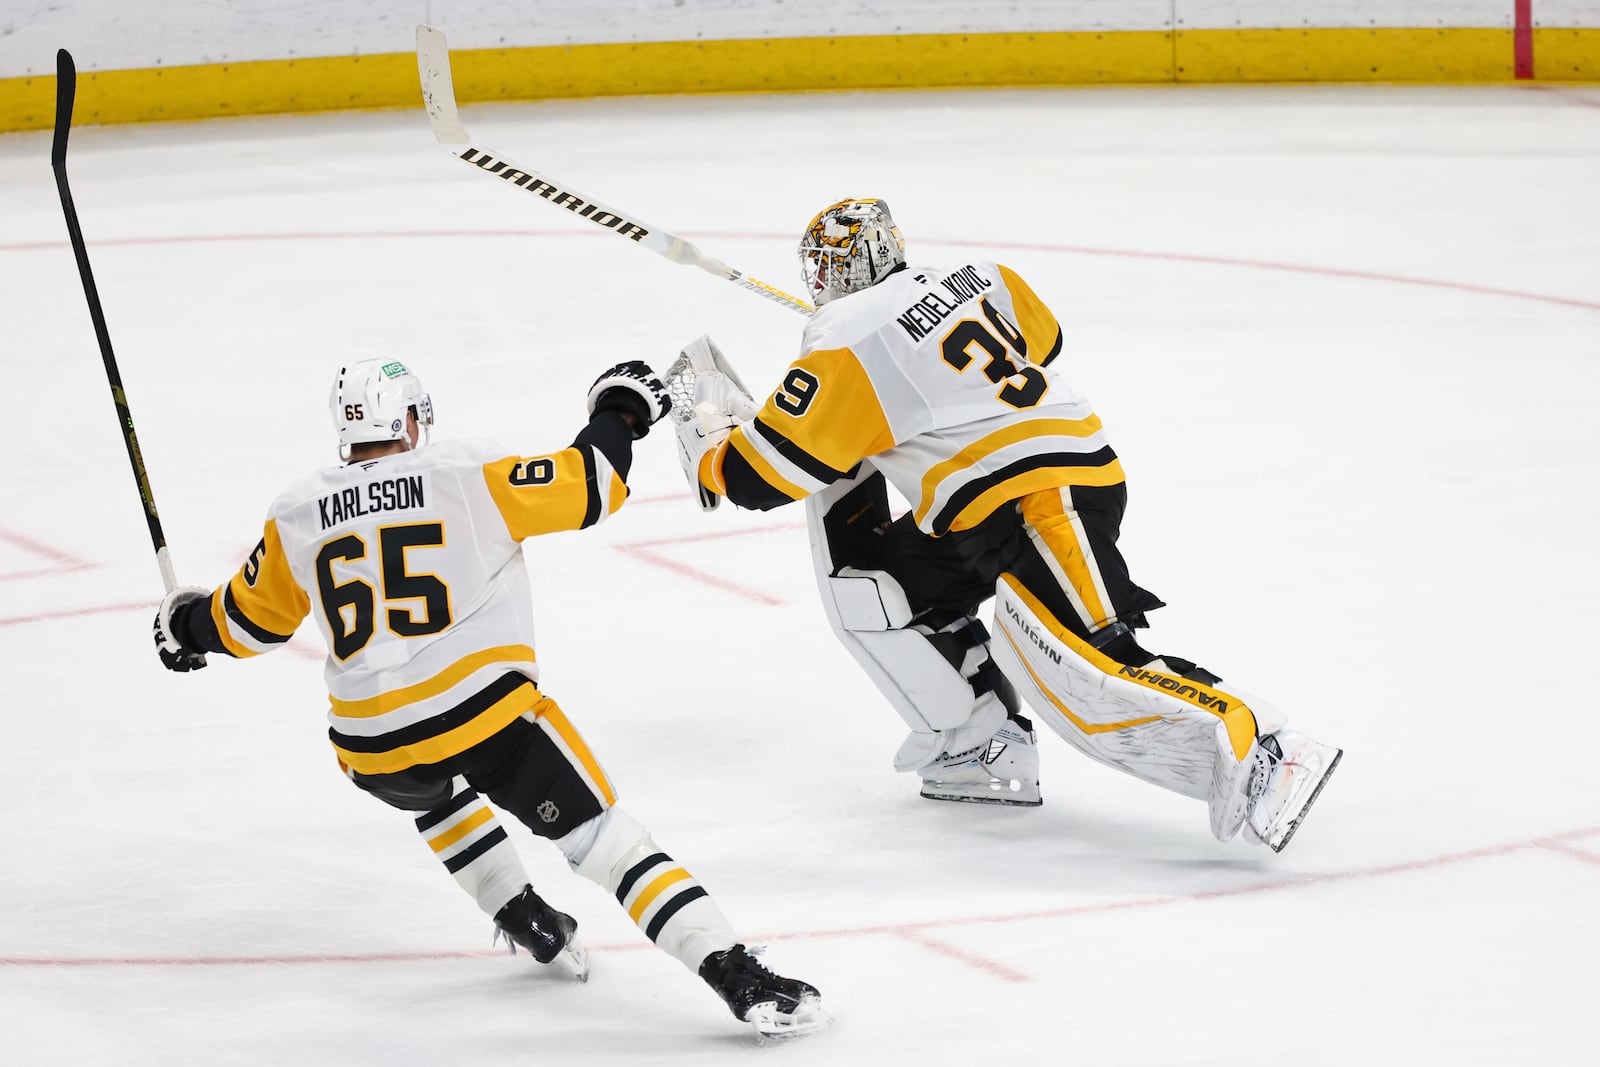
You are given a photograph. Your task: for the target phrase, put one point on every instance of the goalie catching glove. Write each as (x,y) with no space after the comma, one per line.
(709,400)
(174,657)
(631,387)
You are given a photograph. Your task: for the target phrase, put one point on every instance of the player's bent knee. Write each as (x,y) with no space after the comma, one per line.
(404,789)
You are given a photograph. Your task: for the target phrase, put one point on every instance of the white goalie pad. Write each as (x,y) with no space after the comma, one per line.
(1185,736)
(708,401)
(871,616)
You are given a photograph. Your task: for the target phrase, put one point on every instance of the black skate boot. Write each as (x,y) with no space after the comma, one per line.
(774,1005)
(540,929)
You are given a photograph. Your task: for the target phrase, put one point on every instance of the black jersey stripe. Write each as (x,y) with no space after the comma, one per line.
(235,613)
(671,908)
(978,486)
(797,455)
(745,486)
(591,482)
(1055,350)
(638,871)
(465,857)
(429,819)
(443,722)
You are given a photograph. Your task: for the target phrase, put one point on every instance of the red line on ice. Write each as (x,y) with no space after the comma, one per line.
(643,551)
(1075,250)
(908,930)
(100,609)
(971,959)
(66,560)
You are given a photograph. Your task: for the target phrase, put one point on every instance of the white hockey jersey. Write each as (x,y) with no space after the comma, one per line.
(942,378)
(412,566)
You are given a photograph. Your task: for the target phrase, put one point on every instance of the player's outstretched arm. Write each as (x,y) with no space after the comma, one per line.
(584,483)
(255,611)
(821,421)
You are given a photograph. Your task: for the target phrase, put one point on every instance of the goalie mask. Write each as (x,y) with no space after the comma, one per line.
(850,246)
(370,400)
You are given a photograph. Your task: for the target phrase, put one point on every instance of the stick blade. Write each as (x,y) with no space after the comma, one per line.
(66,94)
(438,89)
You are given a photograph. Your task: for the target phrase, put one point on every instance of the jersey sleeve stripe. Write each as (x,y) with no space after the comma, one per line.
(976,500)
(802,460)
(1035,321)
(219,620)
(452,675)
(1055,350)
(994,442)
(594,506)
(740,447)
(236,617)
(542,494)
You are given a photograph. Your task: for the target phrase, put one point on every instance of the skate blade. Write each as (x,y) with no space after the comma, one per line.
(989,796)
(1288,835)
(574,958)
(808,1017)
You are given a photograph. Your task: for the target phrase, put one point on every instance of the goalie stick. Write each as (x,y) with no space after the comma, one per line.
(66,94)
(439,97)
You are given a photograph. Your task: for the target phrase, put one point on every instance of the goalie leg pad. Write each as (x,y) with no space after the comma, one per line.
(661,897)
(1171,731)
(937,674)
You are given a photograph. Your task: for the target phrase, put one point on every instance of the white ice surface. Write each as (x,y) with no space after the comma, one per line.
(1374,502)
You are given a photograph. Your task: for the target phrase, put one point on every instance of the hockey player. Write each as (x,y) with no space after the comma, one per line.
(942,381)
(410,560)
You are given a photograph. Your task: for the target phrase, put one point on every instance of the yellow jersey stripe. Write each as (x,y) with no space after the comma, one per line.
(618,493)
(1039,327)
(1032,482)
(274,602)
(384,703)
(551,712)
(994,442)
(655,889)
(460,830)
(1239,719)
(843,421)
(766,470)
(219,617)
(540,494)
(485,725)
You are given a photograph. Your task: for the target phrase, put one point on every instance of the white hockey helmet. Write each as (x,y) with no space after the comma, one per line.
(850,246)
(370,400)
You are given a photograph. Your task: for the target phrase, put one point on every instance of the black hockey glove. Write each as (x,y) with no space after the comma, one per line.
(174,657)
(632,387)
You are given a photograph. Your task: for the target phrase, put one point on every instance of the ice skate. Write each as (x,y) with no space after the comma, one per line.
(543,931)
(775,1006)
(1297,769)
(1006,771)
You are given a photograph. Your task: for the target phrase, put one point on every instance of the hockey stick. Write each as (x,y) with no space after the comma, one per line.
(66,92)
(439,97)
